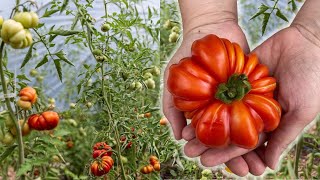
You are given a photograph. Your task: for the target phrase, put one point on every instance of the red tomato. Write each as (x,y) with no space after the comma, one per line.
(46,121)
(153,160)
(101,149)
(101,166)
(228,95)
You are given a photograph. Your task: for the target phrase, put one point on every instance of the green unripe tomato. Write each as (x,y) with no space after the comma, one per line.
(51,100)
(175,29)
(105,27)
(72,105)
(168,24)
(150,83)
(132,86)
(8,139)
(155,71)
(72,122)
(89,104)
(101,58)
(147,75)
(40,78)
(138,86)
(97,52)
(7,120)
(173,37)
(82,131)
(27,19)
(12,32)
(33,72)
(124,159)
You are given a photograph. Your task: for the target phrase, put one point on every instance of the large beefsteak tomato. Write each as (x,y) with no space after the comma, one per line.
(227,94)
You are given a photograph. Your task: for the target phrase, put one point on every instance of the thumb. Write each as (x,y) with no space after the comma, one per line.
(269,52)
(291,125)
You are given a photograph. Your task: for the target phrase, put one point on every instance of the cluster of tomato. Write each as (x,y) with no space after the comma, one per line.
(153,166)
(175,30)
(15,31)
(148,79)
(47,120)
(103,161)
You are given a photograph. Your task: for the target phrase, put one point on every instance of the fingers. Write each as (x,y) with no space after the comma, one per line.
(250,162)
(194,148)
(238,166)
(175,117)
(255,163)
(290,127)
(216,156)
(188,133)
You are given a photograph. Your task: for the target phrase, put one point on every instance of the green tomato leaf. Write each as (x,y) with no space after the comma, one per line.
(266,17)
(263,8)
(293,5)
(280,15)
(62,32)
(43,61)
(62,56)
(58,67)
(64,5)
(28,56)
(7,152)
(23,77)
(48,13)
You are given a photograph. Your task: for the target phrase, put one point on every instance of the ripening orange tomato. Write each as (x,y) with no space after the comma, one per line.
(146,169)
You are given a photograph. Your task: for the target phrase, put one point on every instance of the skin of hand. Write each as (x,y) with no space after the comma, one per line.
(222,22)
(293,58)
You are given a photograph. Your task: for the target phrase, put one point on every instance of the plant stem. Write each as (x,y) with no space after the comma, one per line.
(297,155)
(11,112)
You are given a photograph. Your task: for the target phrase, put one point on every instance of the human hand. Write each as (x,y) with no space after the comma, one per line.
(254,160)
(224,25)
(293,56)
(217,17)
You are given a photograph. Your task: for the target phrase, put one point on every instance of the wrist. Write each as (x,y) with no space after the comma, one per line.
(198,14)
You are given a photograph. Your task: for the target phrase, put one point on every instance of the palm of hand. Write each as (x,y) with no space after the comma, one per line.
(295,62)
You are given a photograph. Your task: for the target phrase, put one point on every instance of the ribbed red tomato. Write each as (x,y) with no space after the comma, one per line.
(46,121)
(227,94)
(101,166)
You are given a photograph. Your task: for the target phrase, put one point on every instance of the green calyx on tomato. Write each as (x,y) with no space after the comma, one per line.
(235,89)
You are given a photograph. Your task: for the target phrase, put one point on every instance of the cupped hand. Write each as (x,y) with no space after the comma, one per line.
(293,56)
(228,29)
